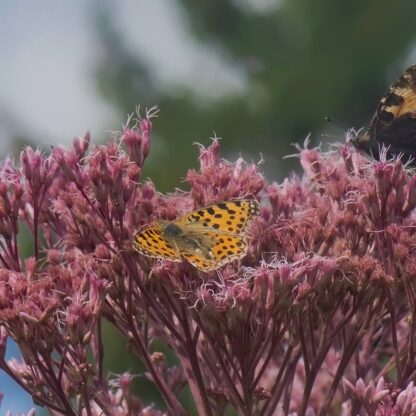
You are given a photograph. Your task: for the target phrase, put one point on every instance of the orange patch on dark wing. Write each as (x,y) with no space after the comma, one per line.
(394,122)
(407,105)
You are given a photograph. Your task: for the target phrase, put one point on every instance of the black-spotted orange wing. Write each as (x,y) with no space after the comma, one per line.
(394,122)
(230,217)
(152,243)
(208,238)
(221,249)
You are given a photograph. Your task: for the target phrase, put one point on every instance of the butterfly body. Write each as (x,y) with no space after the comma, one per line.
(187,238)
(208,238)
(394,122)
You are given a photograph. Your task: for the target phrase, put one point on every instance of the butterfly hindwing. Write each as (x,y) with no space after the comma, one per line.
(400,137)
(201,263)
(151,242)
(223,248)
(226,248)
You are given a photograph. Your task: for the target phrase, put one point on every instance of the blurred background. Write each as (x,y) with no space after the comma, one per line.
(261,74)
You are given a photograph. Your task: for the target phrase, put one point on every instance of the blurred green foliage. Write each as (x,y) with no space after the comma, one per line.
(303,60)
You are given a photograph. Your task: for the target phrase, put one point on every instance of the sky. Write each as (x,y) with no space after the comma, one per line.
(45,91)
(48,53)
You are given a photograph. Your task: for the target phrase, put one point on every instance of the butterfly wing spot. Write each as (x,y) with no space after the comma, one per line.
(150,242)
(228,248)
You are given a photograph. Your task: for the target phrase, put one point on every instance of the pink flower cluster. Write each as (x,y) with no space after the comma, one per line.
(319,318)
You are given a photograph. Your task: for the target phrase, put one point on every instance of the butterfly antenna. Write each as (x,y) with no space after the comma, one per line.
(338,126)
(345,132)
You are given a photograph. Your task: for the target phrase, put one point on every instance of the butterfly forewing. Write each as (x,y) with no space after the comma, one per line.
(231,217)
(399,100)
(394,122)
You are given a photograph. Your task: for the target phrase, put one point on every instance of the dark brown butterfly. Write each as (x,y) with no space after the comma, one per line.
(394,122)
